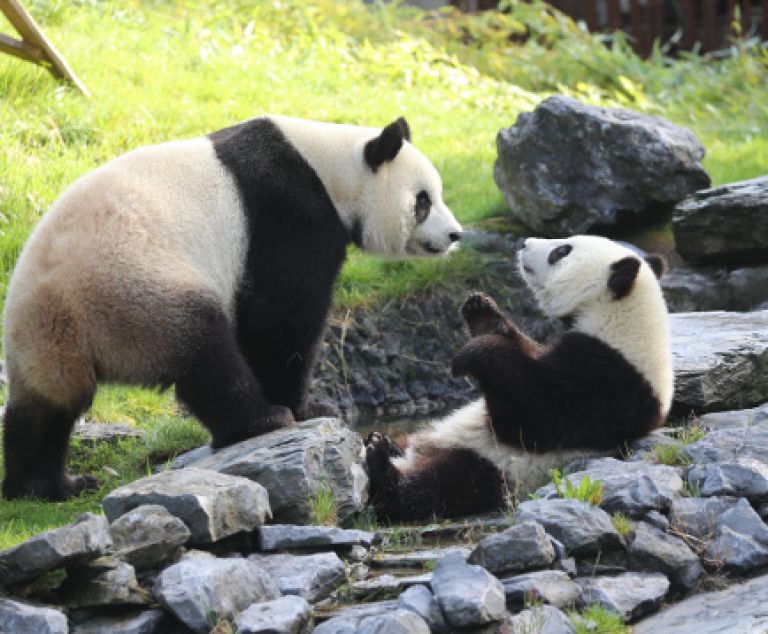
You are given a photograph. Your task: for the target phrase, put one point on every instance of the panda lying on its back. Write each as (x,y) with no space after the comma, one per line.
(208,264)
(607,381)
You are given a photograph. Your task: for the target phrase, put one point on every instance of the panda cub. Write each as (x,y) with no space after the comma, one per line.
(208,264)
(605,382)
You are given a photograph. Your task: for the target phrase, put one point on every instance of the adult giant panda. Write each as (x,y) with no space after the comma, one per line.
(208,264)
(605,382)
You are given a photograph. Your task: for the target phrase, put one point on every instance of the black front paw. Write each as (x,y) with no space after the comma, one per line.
(381,442)
(482,314)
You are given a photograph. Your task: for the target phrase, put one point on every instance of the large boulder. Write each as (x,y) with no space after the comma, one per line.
(715,288)
(727,224)
(568,167)
(631,594)
(18,616)
(720,360)
(294,465)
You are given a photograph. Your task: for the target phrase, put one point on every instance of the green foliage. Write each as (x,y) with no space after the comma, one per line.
(325,511)
(691,489)
(597,619)
(673,455)
(588,490)
(623,525)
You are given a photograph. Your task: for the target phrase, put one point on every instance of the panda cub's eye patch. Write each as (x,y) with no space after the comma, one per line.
(559,253)
(423,205)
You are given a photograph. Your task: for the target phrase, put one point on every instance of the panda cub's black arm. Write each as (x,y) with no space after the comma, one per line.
(484,317)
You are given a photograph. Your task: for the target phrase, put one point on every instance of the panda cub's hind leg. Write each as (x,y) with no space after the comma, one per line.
(217,384)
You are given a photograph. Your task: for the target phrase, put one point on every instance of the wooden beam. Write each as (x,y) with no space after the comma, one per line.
(21,49)
(33,37)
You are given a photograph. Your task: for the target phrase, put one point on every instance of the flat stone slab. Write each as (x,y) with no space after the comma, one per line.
(468,595)
(632,488)
(312,577)
(144,622)
(653,550)
(731,444)
(582,528)
(148,535)
(417,558)
(726,224)
(293,464)
(745,477)
(740,608)
(720,360)
(756,417)
(85,539)
(543,619)
(290,536)
(19,616)
(212,505)
(630,594)
(92,433)
(286,615)
(201,583)
(524,546)
(554,587)
(395,621)
(387,585)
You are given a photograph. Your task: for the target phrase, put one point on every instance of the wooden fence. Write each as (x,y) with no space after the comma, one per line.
(703,25)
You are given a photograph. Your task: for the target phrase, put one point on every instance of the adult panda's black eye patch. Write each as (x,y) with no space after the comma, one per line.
(558,253)
(423,205)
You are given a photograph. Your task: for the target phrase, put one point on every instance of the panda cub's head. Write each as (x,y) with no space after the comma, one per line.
(406,192)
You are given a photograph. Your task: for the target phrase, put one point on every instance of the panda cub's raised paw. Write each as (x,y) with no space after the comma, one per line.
(379,442)
(482,315)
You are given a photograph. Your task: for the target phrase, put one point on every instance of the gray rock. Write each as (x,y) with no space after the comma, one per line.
(416,558)
(698,517)
(743,519)
(103,581)
(542,619)
(551,586)
(724,224)
(652,550)
(21,617)
(568,167)
(654,518)
(720,360)
(739,609)
(92,433)
(756,417)
(714,288)
(312,577)
(419,599)
(643,448)
(631,594)
(212,505)
(286,615)
(144,622)
(468,595)
(733,552)
(632,488)
(85,539)
(148,536)
(288,536)
(387,585)
(293,464)
(524,546)
(396,621)
(731,444)
(201,585)
(744,477)
(583,529)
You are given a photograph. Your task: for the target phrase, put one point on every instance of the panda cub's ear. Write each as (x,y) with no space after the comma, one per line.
(622,277)
(658,264)
(386,146)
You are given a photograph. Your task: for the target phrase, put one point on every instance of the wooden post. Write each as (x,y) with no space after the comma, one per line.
(34,46)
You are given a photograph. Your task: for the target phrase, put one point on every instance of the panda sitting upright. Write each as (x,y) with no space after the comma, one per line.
(208,264)
(605,382)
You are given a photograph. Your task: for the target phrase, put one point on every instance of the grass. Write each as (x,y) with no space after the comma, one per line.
(596,619)
(623,524)
(167,69)
(325,510)
(587,490)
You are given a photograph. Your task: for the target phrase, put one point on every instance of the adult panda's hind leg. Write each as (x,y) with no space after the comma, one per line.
(216,383)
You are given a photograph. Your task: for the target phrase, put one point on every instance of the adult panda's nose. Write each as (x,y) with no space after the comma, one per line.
(454,236)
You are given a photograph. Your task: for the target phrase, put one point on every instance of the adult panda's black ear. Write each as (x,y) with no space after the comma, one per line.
(386,146)
(622,277)
(658,264)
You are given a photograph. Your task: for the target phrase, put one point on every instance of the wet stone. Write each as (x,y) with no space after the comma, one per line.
(289,536)
(652,550)
(312,577)
(212,505)
(286,615)
(630,594)
(20,616)
(524,546)
(551,586)
(543,619)
(581,527)
(85,539)
(148,535)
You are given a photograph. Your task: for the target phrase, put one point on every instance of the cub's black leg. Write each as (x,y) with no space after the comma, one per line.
(218,386)
(36,442)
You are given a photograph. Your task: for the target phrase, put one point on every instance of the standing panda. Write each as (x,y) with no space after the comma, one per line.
(606,382)
(208,264)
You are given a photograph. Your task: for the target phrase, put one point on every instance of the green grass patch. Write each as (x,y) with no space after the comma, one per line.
(623,524)
(587,490)
(672,455)
(325,510)
(596,619)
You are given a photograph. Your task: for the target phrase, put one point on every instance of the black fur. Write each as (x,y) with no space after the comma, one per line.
(296,249)
(453,483)
(385,147)
(623,275)
(657,263)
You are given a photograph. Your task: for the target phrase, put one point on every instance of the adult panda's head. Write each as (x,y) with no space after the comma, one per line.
(387,193)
